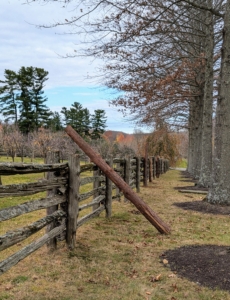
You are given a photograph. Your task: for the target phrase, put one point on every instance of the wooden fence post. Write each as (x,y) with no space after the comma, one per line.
(150,169)
(127,171)
(118,167)
(138,174)
(96,185)
(162,166)
(108,192)
(154,167)
(145,173)
(52,158)
(73,196)
(149,214)
(158,167)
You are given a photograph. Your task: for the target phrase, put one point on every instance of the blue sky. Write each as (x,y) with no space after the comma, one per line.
(24,44)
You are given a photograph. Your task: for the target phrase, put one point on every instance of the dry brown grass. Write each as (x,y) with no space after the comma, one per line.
(119,258)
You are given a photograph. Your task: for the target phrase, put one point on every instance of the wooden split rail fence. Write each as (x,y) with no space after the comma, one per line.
(64,201)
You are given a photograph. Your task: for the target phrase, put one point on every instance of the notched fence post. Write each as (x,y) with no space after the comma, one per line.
(127,172)
(96,185)
(138,174)
(73,200)
(108,192)
(52,158)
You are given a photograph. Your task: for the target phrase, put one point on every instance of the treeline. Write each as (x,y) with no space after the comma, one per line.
(23,104)
(170,59)
(14,143)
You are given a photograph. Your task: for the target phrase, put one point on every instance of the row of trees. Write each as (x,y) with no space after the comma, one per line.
(38,144)
(117,144)
(22,102)
(83,122)
(171,59)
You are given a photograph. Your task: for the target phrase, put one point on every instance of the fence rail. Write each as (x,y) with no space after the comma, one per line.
(64,201)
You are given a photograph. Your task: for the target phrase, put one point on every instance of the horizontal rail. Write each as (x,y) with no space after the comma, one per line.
(24,189)
(118,160)
(97,200)
(90,216)
(91,193)
(24,252)
(19,168)
(117,196)
(12,237)
(26,207)
(91,179)
(88,167)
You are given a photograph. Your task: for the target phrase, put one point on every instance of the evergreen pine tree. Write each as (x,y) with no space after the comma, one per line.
(55,123)
(78,117)
(41,112)
(98,123)
(33,112)
(9,92)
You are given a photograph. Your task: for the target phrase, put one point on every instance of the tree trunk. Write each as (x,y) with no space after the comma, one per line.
(198,134)
(206,142)
(220,189)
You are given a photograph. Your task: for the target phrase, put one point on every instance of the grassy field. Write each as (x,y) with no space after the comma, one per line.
(119,258)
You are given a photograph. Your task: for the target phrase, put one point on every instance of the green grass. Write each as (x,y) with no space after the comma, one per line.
(181,163)
(117,258)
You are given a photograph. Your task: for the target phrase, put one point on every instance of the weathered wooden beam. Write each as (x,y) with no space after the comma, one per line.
(127,172)
(73,197)
(91,193)
(52,158)
(118,160)
(194,192)
(26,207)
(150,215)
(138,174)
(96,184)
(18,235)
(97,201)
(90,216)
(88,167)
(108,192)
(154,167)
(92,179)
(24,252)
(24,189)
(20,168)
(150,169)
(119,195)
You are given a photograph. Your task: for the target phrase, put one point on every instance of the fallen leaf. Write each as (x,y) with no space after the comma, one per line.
(158,277)
(186,294)
(148,293)
(165,261)
(175,289)
(173,298)
(171,275)
(34,277)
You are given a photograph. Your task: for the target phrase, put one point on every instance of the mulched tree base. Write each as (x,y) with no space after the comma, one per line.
(204,207)
(208,265)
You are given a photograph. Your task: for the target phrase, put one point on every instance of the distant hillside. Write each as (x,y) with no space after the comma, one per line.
(112,135)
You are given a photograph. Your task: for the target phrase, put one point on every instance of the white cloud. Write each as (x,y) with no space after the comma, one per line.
(23,44)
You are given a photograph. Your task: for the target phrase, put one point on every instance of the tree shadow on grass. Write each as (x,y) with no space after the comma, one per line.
(204,207)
